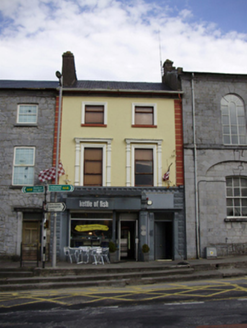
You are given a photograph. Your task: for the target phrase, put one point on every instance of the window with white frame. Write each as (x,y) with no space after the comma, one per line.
(144,115)
(144,167)
(23,168)
(93,162)
(94,114)
(143,162)
(233,120)
(236,196)
(27,114)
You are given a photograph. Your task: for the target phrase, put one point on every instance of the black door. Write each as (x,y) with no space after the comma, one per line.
(163,240)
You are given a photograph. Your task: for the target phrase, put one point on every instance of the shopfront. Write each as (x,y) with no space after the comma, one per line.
(129,218)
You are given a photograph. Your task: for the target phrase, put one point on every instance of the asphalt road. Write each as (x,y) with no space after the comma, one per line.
(218,303)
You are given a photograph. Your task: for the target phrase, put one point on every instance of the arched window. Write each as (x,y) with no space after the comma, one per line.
(236,197)
(233,120)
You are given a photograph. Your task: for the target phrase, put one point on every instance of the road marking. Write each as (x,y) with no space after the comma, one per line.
(184,303)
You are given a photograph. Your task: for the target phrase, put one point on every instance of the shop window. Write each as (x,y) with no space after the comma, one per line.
(144,115)
(90,232)
(143,167)
(236,197)
(93,166)
(23,168)
(27,114)
(233,120)
(94,114)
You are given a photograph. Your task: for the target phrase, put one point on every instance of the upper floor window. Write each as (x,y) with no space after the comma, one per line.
(94,114)
(233,120)
(143,167)
(236,196)
(23,169)
(93,166)
(27,114)
(144,115)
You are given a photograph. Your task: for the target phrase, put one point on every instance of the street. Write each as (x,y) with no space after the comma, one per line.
(185,304)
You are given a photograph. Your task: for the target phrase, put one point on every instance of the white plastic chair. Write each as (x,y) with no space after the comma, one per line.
(105,254)
(96,253)
(67,253)
(84,251)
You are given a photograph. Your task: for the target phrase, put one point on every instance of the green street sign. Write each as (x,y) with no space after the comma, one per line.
(60,188)
(33,189)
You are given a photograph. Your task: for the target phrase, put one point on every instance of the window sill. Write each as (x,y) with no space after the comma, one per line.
(239,219)
(94,125)
(143,126)
(25,125)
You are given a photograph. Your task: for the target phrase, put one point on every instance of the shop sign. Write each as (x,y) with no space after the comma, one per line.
(94,204)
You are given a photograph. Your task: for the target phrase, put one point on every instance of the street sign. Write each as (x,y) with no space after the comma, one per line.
(55,207)
(60,188)
(33,189)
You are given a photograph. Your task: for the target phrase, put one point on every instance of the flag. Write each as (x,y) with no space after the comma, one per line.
(167,174)
(50,174)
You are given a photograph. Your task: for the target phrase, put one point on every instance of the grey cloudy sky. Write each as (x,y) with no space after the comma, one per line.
(120,40)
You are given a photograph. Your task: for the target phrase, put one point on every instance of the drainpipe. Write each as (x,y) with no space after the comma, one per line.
(197,228)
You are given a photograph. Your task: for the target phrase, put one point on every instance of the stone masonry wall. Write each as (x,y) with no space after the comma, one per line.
(12,135)
(215,161)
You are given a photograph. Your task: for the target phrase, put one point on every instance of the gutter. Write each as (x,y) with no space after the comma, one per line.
(197,224)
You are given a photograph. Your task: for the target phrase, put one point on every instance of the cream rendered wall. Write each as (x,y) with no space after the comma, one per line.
(119,120)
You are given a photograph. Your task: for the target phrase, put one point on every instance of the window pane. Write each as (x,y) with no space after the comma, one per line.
(244,192)
(93,167)
(242,140)
(144,180)
(93,154)
(229,202)
(92,180)
(144,167)
(229,192)
(236,192)
(237,202)
(94,114)
(234,140)
(225,120)
(244,211)
(227,140)
(23,175)
(24,156)
(243,182)
(229,182)
(27,114)
(144,115)
(144,154)
(229,212)
(236,182)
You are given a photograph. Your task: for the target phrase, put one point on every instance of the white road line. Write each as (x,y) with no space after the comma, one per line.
(184,303)
(242,299)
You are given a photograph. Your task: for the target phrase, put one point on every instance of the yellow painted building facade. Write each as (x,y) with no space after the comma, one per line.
(118,133)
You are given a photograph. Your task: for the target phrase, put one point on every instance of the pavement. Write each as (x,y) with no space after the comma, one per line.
(228,262)
(124,273)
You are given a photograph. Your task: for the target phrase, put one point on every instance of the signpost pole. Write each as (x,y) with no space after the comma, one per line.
(43,245)
(54,245)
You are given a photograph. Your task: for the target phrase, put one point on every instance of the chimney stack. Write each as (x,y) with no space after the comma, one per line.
(68,69)
(171,75)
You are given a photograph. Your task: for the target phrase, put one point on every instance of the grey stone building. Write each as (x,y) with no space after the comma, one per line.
(215,161)
(27,111)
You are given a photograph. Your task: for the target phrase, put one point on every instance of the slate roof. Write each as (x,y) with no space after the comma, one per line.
(116,85)
(17,84)
(86,85)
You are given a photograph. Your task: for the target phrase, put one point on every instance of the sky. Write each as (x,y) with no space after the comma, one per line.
(121,40)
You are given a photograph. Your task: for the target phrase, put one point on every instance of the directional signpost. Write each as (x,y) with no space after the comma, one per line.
(55,207)
(33,189)
(60,188)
